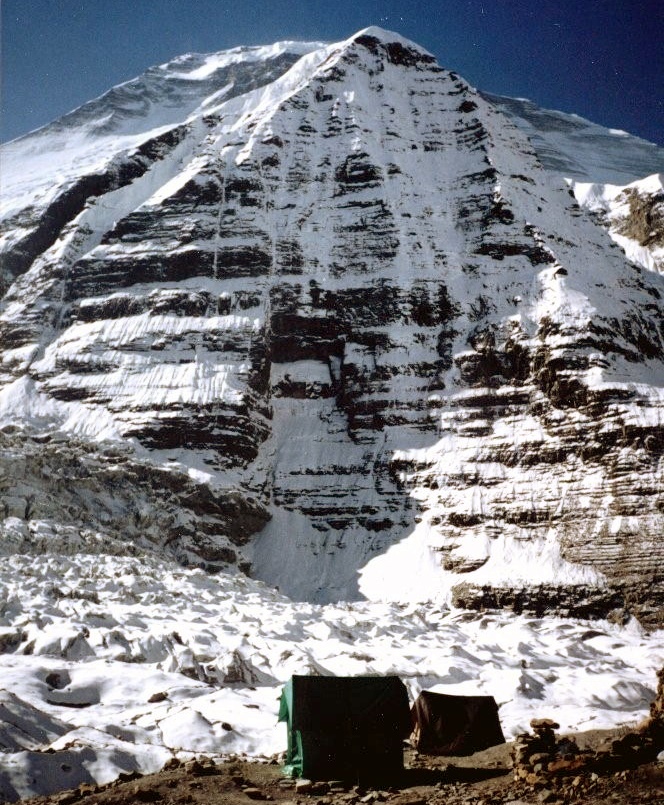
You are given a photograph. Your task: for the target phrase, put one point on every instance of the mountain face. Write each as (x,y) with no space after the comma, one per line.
(571,146)
(327,314)
(613,175)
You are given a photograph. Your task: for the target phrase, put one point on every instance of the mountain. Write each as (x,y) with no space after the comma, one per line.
(571,146)
(112,141)
(331,311)
(321,318)
(613,175)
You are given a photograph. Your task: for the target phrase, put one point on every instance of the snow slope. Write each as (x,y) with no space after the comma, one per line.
(164,97)
(571,146)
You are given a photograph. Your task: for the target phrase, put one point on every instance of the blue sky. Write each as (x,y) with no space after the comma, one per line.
(603,59)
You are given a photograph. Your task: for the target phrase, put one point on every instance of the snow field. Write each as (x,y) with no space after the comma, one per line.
(118,664)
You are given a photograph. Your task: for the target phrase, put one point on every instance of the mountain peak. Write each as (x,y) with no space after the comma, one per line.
(397,48)
(332,321)
(197,66)
(387,37)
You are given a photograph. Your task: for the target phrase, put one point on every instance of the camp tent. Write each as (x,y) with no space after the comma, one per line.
(345,728)
(454,725)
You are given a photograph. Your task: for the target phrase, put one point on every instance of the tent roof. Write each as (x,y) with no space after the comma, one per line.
(334,703)
(440,702)
(455,725)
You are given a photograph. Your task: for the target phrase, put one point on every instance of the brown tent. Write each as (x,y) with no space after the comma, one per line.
(454,725)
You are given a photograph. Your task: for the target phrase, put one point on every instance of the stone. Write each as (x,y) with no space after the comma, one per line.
(199,767)
(143,794)
(544,724)
(67,797)
(254,793)
(566,766)
(567,747)
(408,799)
(128,776)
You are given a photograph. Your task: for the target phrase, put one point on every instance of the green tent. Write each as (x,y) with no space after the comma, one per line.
(345,728)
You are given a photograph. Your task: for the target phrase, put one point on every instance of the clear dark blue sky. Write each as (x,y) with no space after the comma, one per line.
(603,59)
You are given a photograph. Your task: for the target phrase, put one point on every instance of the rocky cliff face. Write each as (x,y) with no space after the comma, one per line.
(633,214)
(340,327)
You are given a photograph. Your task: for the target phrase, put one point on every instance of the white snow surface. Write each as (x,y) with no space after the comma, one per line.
(202,66)
(90,138)
(114,664)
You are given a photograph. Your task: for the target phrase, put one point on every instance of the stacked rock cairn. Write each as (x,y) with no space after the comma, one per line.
(538,755)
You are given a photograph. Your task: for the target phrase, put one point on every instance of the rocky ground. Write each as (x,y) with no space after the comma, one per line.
(486,778)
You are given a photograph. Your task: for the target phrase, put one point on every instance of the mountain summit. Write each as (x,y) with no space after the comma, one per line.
(326,314)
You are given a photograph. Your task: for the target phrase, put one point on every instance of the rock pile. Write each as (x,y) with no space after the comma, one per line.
(539,756)
(543,761)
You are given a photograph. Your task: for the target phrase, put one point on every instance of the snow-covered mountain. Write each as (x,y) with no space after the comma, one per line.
(614,175)
(327,316)
(330,311)
(569,145)
(113,140)
(633,214)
